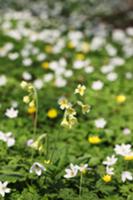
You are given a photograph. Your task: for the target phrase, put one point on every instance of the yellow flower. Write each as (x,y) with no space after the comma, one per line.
(31,110)
(94,139)
(120,98)
(70,45)
(45,65)
(107,178)
(85,47)
(80,56)
(128,157)
(48,48)
(80,89)
(52,113)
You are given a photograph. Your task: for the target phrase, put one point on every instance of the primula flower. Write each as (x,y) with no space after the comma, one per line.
(72,121)
(107,178)
(85,107)
(37,168)
(80,89)
(24,84)
(31,109)
(94,139)
(126,175)
(65,122)
(52,113)
(71,172)
(63,102)
(4,189)
(26,99)
(11,113)
(70,111)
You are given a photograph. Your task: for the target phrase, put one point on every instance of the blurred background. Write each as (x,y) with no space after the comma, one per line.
(118,13)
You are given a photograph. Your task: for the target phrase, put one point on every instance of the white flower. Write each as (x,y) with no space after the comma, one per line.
(4,189)
(72,171)
(83,168)
(126,175)
(107,68)
(30,142)
(100,123)
(129,75)
(13,56)
(27,76)
(129,31)
(97,85)
(123,150)
(27,62)
(38,83)
(60,82)
(3,80)
(109,170)
(119,35)
(41,57)
(78,64)
(96,43)
(112,76)
(37,168)
(126,131)
(8,138)
(14,104)
(48,77)
(117,61)
(11,113)
(110,160)
(111,50)
(68,73)
(89,69)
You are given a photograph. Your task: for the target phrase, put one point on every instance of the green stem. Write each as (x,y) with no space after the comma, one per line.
(35,118)
(36,113)
(80,184)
